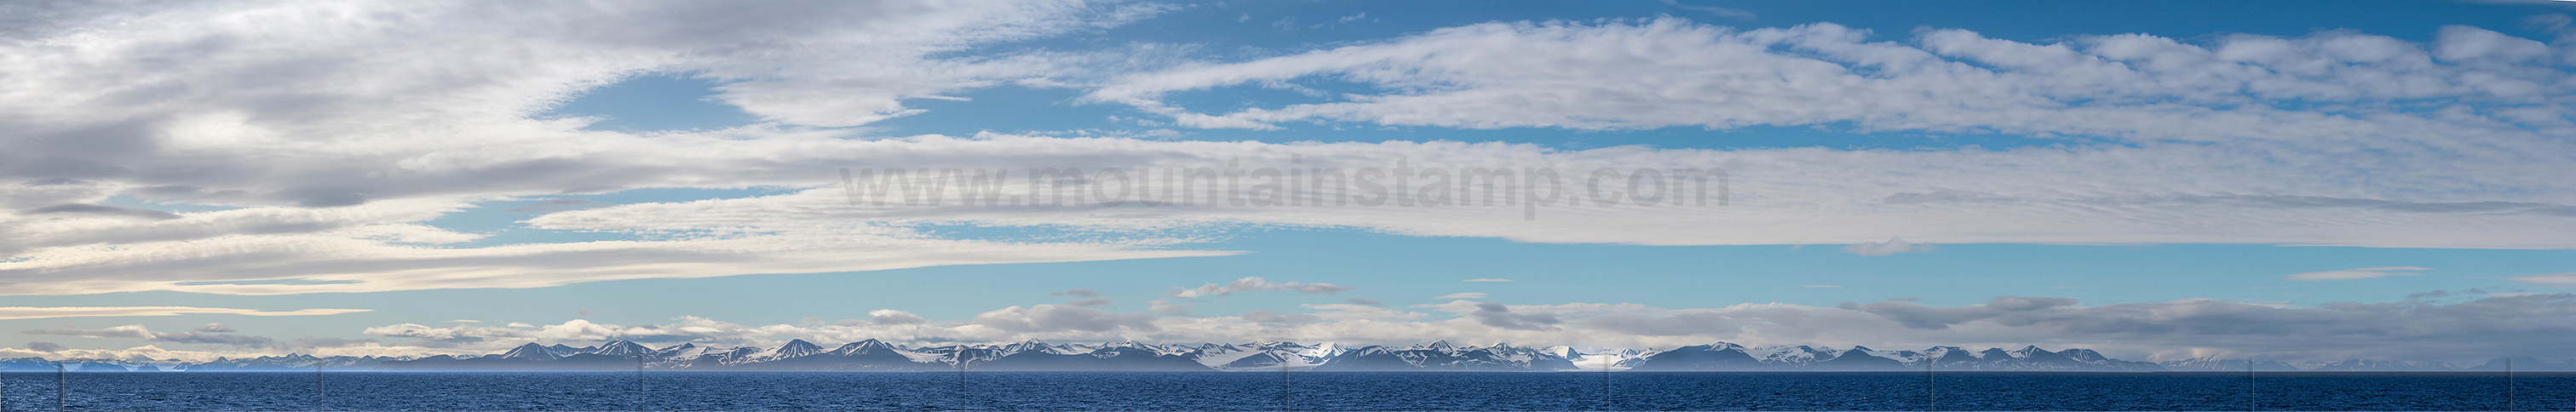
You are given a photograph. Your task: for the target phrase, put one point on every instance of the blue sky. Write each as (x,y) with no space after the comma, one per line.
(667,172)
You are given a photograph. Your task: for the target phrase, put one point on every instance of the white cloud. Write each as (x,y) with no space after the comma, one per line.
(340,162)
(1670,72)
(208,334)
(1464,295)
(2360,273)
(1061,318)
(1249,284)
(1775,193)
(894,317)
(1265,316)
(328,173)
(1889,247)
(2560,278)
(25,312)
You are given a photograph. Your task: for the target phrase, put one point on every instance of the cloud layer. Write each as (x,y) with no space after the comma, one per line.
(313,142)
(25,312)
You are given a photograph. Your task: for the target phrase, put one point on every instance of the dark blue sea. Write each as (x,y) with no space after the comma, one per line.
(1303,391)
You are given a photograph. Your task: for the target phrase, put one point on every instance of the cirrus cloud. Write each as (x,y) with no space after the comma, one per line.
(2357,273)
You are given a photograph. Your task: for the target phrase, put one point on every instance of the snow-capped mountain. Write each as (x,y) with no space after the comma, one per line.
(1724,356)
(290,363)
(2367,365)
(293,362)
(1264,355)
(621,348)
(1443,356)
(874,355)
(533,351)
(2518,363)
(2526,364)
(2216,364)
(81,365)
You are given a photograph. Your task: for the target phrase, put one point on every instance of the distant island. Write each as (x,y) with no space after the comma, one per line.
(873,355)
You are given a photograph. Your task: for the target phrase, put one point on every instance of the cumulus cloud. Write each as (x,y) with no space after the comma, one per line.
(1889,247)
(687,329)
(1250,283)
(443,337)
(2359,273)
(25,312)
(1058,318)
(1464,295)
(1076,292)
(1364,302)
(894,317)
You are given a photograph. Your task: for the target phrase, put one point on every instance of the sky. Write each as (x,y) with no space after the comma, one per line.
(2300,181)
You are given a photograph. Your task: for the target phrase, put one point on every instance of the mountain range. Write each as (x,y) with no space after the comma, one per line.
(874,355)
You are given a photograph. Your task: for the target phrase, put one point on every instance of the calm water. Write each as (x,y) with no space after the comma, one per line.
(1273,391)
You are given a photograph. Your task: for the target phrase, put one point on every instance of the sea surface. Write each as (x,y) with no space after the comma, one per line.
(1300,391)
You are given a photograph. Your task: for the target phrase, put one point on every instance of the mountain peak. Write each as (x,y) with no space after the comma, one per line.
(621,348)
(794,348)
(531,350)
